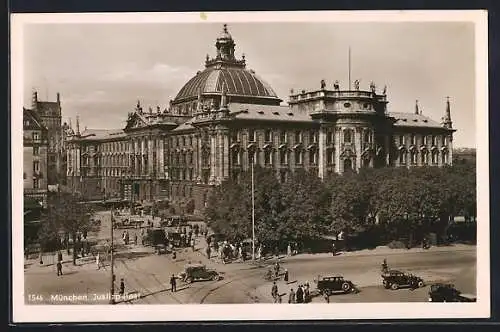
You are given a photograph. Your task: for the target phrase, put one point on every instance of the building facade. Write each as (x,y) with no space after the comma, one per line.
(226,118)
(35,157)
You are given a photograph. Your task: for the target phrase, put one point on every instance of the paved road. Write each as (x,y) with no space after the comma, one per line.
(148,275)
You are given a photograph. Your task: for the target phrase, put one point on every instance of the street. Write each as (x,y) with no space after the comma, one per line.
(147,276)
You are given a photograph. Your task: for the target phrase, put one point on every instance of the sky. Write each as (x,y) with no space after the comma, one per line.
(101,70)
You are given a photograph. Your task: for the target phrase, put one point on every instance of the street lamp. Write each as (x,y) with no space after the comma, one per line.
(253,214)
(112,289)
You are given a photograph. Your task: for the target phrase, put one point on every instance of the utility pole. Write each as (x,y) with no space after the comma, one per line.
(253,213)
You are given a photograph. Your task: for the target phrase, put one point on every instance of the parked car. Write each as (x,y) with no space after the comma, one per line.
(330,284)
(441,292)
(394,279)
(198,272)
(155,237)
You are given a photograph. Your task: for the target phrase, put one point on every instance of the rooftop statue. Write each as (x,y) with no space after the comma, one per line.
(336,86)
(356,84)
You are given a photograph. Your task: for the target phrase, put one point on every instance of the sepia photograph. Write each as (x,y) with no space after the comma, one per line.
(215,166)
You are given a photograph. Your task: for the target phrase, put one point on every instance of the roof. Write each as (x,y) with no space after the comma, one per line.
(99,134)
(35,122)
(184,127)
(414,120)
(43,106)
(266,113)
(238,81)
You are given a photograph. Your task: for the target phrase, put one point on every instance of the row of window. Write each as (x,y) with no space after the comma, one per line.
(424,140)
(426,158)
(113,147)
(182,141)
(284,157)
(183,174)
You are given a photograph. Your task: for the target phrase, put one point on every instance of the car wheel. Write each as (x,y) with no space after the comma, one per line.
(189,280)
(215,277)
(420,284)
(394,286)
(346,287)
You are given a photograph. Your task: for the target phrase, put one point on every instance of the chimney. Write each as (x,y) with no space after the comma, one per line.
(34,100)
(447,115)
(416,107)
(58,98)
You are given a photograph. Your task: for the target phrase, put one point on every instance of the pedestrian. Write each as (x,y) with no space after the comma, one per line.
(192,245)
(299,295)
(97,261)
(334,250)
(307,297)
(135,238)
(173,284)
(208,252)
(174,255)
(327,297)
(127,238)
(289,250)
(196,230)
(286,276)
(274,292)
(122,287)
(59,268)
(59,256)
(291,296)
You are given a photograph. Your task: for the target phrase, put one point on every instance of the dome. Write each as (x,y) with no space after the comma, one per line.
(238,82)
(224,70)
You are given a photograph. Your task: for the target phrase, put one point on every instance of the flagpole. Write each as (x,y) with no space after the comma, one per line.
(253,215)
(349,64)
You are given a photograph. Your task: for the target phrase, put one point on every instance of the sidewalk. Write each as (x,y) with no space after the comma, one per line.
(382,251)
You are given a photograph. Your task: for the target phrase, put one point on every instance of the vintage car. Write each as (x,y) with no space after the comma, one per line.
(441,292)
(328,285)
(395,279)
(198,272)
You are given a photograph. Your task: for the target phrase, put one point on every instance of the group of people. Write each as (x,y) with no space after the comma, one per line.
(301,295)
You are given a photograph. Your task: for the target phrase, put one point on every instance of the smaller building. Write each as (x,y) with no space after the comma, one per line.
(35,157)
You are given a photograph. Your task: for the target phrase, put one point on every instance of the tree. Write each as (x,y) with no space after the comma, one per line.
(304,202)
(67,212)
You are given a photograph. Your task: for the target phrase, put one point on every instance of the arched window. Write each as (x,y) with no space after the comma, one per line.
(347,165)
(413,157)
(347,136)
(367,137)
(402,157)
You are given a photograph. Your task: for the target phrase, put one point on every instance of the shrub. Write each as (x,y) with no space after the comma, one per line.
(396,245)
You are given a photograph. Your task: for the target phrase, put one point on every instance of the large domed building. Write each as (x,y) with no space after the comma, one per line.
(226,118)
(224,71)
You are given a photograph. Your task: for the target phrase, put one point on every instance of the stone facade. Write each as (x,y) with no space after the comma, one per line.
(35,157)
(226,118)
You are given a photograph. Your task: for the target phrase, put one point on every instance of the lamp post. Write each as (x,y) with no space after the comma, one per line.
(253,214)
(112,262)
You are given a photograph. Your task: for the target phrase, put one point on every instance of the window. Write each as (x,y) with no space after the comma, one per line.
(347,136)
(424,140)
(26,123)
(329,137)
(36,184)
(24,176)
(433,139)
(36,166)
(268,136)
(283,137)
(445,141)
(298,157)
(236,158)
(183,140)
(298,137)
(402,157)
(268,157)
(413,140)
(313,157)
(330,156)
(367,137)
(444,158)
(235,137)
(284,157)
(423,157)
(251,135)
(402,140)
(36,151)
(190,140)
(413,158)
(36,136)
(434,157)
